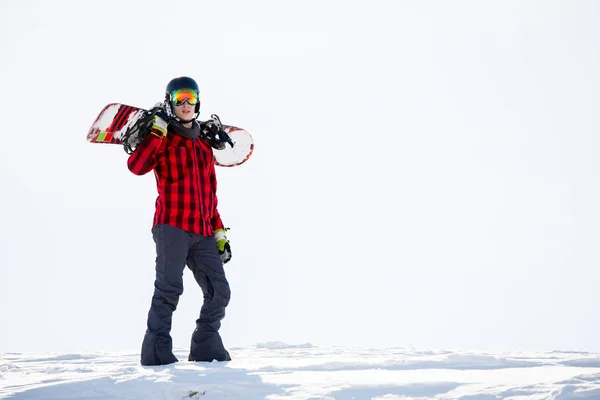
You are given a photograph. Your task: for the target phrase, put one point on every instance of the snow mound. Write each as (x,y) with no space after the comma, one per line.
(282,345)
(472,361)
(7,367)
(593,362)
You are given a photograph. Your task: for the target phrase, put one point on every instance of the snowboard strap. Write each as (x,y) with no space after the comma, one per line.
(140,130)
(212,132)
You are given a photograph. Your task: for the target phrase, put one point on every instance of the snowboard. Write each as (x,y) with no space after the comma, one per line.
(118,123)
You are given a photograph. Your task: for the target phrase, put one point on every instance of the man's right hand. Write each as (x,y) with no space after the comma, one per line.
(159,127)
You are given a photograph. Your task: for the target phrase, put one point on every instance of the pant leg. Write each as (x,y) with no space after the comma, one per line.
(207,267)
(172,246)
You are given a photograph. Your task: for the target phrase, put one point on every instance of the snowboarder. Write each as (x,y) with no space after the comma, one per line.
(187,227)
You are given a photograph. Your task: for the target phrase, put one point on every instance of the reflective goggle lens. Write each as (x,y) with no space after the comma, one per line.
(178,97)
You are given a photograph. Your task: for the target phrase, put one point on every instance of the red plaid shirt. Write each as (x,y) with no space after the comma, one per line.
(186,181)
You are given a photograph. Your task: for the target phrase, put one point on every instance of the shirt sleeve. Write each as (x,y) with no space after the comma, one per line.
(216,219)
(146,156)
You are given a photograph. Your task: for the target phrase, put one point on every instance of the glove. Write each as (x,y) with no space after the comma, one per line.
(159,127)
(223,245)
(160,120)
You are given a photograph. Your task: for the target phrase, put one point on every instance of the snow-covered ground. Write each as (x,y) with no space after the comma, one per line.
(280,371)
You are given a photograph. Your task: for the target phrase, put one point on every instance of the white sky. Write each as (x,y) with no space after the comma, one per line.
(425,173)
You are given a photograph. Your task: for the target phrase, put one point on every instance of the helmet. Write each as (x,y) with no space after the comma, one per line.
(183,82)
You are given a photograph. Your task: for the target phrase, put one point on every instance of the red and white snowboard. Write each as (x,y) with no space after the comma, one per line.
(115,121)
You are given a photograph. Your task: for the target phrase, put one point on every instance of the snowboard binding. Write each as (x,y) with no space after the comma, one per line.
(142,127)
(212,132)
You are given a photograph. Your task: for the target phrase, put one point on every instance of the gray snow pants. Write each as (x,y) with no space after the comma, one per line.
(174,249)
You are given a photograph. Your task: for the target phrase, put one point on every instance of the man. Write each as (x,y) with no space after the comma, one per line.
(187,227)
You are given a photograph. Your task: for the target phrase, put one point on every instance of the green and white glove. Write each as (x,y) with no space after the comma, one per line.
(159,127)
(223,245)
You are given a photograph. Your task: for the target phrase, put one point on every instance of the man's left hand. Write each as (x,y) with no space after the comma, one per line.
(223,245)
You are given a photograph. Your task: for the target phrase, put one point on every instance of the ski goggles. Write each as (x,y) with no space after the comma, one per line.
(180,96)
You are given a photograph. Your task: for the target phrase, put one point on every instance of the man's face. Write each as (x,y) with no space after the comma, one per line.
(184,103)
(185,111)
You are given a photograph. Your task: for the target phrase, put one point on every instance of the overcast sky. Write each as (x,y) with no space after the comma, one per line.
(426,173)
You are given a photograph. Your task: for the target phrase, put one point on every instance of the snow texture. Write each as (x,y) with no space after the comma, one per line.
(277,371)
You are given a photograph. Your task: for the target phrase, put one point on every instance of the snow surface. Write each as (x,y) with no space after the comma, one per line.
(276,370)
